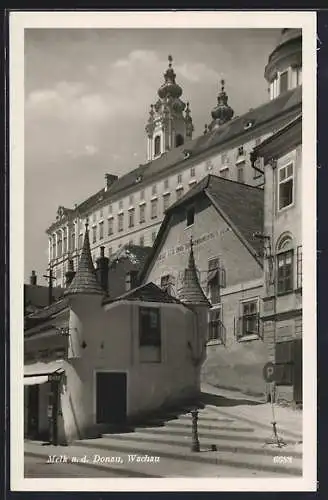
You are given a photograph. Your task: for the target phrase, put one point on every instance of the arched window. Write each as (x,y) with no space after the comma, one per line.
(179,140)
(157,145)
(285,264)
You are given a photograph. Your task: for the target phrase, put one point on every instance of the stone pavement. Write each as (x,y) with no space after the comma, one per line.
(237,425)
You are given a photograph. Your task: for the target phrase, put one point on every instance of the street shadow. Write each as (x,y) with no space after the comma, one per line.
(222,401)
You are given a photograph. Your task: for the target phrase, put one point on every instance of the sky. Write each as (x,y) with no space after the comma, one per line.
(87,98)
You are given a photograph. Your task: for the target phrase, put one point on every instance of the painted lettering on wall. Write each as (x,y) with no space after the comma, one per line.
(182,248)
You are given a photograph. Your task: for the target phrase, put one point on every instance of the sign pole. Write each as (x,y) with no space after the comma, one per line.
(269,374)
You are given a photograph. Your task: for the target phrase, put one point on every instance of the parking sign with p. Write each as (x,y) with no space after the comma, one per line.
(269,372)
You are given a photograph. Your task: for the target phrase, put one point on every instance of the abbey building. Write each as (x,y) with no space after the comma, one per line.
(129,209)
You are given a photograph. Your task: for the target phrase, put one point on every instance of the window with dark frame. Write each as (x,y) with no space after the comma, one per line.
(166,184)
(179,179)
(154,189)
(299,267)
(192,172)
(153,208)
(216,330)
(94,234)
(285,272)
(285,186)
(110,226)
(142,214)
(131,217)
(59,245)
(283,82)
(65,240)
(120,222)
(190,216)
(149,327)
(249,321)
(179,193)
(215,280)
(166,201)
(241,151)
(240,174)
(157,145)
(101,230)
(142,241)
(72,240)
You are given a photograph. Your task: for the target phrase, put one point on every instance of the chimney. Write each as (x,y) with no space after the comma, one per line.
(109,179)
(70,273)
(131,280)
(33,278)
(102,270)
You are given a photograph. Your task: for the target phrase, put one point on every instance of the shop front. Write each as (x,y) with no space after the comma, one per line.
(42,400)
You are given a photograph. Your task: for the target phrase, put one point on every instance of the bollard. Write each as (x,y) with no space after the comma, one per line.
(195,441)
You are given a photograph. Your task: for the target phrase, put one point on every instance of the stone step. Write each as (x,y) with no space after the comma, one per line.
(164,450)
(256,448)
(260,423)
(211,434)
(208,426)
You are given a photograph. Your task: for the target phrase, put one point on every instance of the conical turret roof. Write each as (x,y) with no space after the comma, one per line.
(191,292)
(85,279)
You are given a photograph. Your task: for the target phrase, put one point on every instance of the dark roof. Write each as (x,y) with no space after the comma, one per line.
(85,280)
(217,137)
(191,292)
(146,293)
(296,122)
(46,313)
(128,258)
(241,205)
(37,296)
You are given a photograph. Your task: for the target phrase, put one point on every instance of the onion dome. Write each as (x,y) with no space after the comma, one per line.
(191,292)
(169,87)
(85,279)
(222,113)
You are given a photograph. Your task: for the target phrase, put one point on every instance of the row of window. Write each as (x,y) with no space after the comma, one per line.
(179,181)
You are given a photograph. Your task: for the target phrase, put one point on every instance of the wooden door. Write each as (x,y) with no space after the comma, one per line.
(33,411)
(111,397)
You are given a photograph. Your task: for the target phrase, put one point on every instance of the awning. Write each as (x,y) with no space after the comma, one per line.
(40,373)
(42,379)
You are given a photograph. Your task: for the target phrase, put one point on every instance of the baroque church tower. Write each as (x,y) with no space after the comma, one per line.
(169,123)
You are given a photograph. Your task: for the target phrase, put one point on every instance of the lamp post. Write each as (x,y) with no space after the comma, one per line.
(194,436)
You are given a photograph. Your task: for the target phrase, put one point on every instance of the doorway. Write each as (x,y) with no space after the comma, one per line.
(33,411)
(111,397)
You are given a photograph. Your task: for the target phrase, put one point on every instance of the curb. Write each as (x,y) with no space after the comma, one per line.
(120,472)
